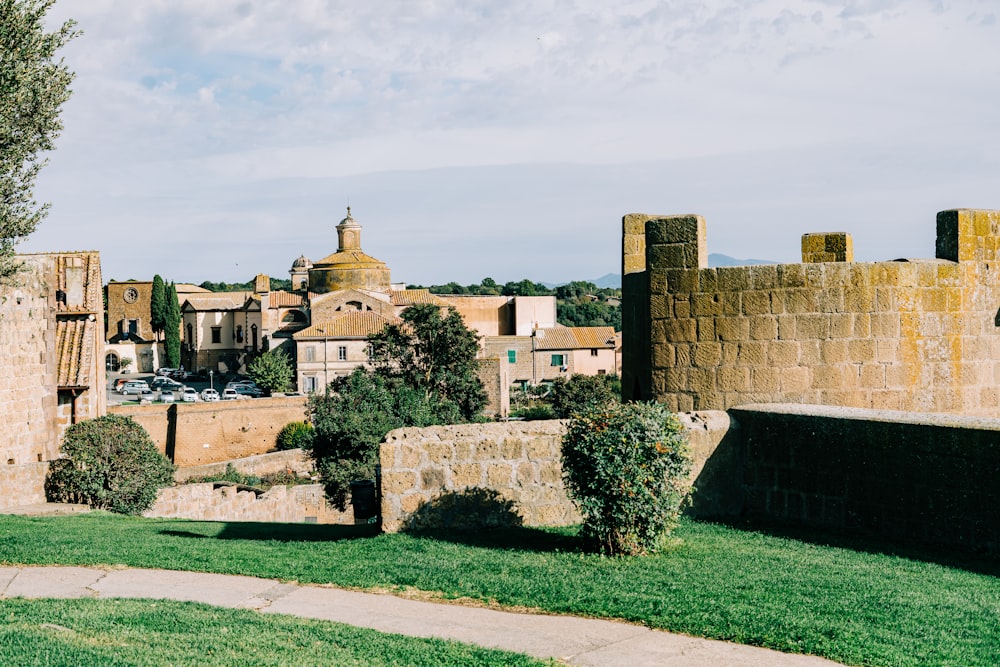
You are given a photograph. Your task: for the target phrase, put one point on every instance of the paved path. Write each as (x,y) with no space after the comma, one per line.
(577,641)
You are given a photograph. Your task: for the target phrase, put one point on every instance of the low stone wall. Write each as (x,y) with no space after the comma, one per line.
(931,478)
(517,460)
(521,462)
(193,434)
(22,484)
(280,504)
(294,460)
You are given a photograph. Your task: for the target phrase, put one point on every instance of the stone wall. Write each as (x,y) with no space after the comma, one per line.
(22,484)
(219,502)
(521,461)
(929,478)
(293,460)
(29,432)
(192,434)
(918,335)
(518,460)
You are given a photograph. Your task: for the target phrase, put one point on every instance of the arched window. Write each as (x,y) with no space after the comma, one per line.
(111,362)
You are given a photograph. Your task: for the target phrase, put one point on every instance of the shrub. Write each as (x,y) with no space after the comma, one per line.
(580,393)
(110,463)
(534,412)
(626,468)
(295,435)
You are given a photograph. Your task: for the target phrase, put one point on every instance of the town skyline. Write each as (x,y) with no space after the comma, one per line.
(223,141)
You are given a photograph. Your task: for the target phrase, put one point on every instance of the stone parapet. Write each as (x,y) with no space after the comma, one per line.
(22,484)
(280,504)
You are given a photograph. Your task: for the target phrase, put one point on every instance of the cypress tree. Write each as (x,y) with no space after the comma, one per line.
(158,306)
(172,328)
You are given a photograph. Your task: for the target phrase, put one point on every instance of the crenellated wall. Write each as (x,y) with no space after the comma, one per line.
(912,335)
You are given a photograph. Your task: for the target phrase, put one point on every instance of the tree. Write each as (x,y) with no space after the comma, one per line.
(33,87)
(580,393)
(158,306)
(433,354)
(423,373)
(110,463)
(272,371)
(172,328)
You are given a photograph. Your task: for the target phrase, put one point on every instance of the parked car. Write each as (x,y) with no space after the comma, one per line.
(166,371)
(208,395)
(229,394)
(189,395)
(247,390)
(180,375)
(162,382)
(166,396)
(119,382)
(135,387)
(245,382)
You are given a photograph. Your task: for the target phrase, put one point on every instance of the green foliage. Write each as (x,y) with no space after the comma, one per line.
(433,354)
(276,284)
(34,84)
(423,373)
(533,412)
(579,393)
(626,468)
(124,363)
(158,306)
(295,435)
(172,328)
(265,481)
(110,463)
(272,371)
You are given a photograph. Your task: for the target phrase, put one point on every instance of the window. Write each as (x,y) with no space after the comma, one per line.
(216,334)
(342,353)
(310,353)
(593,352)
(239,333)
(511,356)
(310,383)
(558,360)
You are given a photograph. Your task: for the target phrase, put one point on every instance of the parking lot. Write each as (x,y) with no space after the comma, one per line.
(218,382)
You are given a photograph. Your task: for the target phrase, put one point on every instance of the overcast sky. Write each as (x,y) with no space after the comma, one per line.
(507,138)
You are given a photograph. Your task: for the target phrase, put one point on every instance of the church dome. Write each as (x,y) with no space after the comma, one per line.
(349,267)
(301,263)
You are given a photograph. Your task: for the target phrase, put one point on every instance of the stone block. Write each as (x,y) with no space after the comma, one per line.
(862,350)
(701,380)
(526,474)
(499,475)
(786,327)
(733,379)
(763,276)
(765,380)
(432,478)
(756,302)
(682,354)
(681,306)
(678,331)
(706,328)
(550,473)
(872,376)
(411,502)
(706,304)
(732,328)
(733,278)
(513,448)
(833,351)
(438,452)
(816,327)
(465,475)
(800,301)
(791,275)
(666,256)
(783,353)
(730,354)
(541,450)
(663,355)
(753,353)
(707,354)
(708,281)
(732,303)
(796,379)
(676,229)
(831,300)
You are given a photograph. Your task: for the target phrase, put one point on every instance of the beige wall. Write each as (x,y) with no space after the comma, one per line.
(586,362)
(533,312)
(198,433)
(907,335)
(326,364)
(280,504)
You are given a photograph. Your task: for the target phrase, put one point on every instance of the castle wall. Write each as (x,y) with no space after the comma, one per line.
(904,335)
(192,434)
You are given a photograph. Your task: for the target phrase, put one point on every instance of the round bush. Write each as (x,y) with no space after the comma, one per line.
(626,468)
(110,463)
(295,435)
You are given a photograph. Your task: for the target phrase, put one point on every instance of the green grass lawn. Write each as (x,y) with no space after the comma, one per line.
(143,632)
(854,606)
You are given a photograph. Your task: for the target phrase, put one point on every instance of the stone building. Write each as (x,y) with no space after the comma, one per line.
(52,375)
(552,352)
(914,334)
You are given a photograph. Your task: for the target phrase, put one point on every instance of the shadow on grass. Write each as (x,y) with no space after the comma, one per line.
(970,562)
(282,532)
(539,540)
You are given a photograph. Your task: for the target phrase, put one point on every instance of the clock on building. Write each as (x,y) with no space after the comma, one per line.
(131,294)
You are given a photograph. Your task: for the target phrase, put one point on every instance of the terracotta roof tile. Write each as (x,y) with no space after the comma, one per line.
(286,300)
(349,325)
(411,297)
(75,338)
(575,338)
(218,300)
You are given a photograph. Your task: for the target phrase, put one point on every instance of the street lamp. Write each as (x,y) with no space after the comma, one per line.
(210,384)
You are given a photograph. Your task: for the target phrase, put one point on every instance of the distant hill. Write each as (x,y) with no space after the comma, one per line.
(716,259)
(608,280)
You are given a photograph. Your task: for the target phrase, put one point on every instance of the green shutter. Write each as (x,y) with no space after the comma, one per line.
(511,356)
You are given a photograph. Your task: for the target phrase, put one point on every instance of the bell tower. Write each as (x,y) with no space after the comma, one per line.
(348,234)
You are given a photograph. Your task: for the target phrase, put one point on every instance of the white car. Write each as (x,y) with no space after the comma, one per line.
(166,396)
(208,395)
(189,395)
(229,394)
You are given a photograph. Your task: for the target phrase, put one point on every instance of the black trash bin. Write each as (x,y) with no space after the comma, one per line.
(363,500)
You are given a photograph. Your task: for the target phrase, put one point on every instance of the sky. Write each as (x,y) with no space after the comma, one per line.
(506,139)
